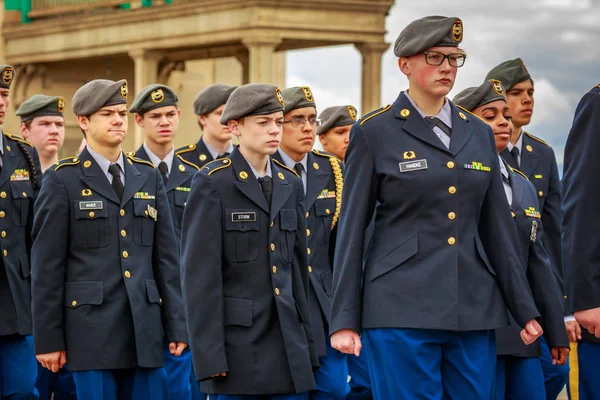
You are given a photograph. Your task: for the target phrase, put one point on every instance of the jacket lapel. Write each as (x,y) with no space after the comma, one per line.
(94,178)
(180,173)
(508,157)
(141,154)
(529,160)
(516,186)
(316,180)
(134,181)
(281,190)
(203,151)
(461,130)
(246,181)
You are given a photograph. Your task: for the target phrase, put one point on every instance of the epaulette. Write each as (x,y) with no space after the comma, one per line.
(282,165)
(537,139)
(18,139)
(185,149)
(67,161)
(597,86)
(375,113)
(519,172)
(187,162)
(140,161)
(323,154)
(216,165)
(471,113)
(130,154)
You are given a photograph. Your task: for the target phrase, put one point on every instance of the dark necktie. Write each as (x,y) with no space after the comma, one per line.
(115,171)
(224,155)
(298,168)
(162,167)
(266,183)
(435,121)
(515,154)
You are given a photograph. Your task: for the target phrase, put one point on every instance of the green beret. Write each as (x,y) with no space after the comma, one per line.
(153,96)
(298,97)
(8,75)
(40,105)
(474,97)
(99,93)
(428,32)
(333,117)
(252,99)
(211,98)
(509,73)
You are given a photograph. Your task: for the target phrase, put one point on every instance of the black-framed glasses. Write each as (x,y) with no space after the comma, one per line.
(436,58)
(299,122)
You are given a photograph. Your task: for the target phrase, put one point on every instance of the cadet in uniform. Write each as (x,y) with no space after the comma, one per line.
(536,159)
(42,122)
(441,261)
(334,132)
(20,178)
(323,182)
(156,111)
(106,281)
(244,263)
(581,243)
(215,141)
(519,370)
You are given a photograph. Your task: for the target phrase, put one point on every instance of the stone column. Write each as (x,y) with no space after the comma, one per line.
(264,64)
(371,74)
(145,65)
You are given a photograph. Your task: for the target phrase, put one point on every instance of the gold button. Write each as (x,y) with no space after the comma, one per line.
(24,194)
(274,269)
(125,254)
(92,215)
(145,212)
(122,213)
(3,234)
(127,274)
(541,193)
(451,241)
(308,232)
(309,268)
(277,291)
(327,211)
(450,164)
(272,247)
(3,195)
(123,233)
(513,214)
(2,214)
(271,224)
(451,190)
(5,252)
(160,300)
(73,303)
(308,251)
(451,215)
(307,214)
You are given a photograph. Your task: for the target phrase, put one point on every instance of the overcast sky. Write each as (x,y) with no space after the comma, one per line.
(559,40)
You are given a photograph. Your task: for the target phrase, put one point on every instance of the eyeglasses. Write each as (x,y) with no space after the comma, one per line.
(299,122)
(436,58)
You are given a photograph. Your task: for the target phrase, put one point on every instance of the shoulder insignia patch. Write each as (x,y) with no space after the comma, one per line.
(67,161)
(537,139)
(216,165)
(519,172)
(18,139)
(282,165)
(140,161)
(185,149)
(375,113)
(187,162)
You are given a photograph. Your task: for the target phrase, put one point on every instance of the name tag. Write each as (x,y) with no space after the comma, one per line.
(91,205)
(413,165)
(243,216)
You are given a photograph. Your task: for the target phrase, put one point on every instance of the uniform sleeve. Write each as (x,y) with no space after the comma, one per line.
(48,263)
(496,231)
(581,196)
(201,263)
(166,269)
(358,204)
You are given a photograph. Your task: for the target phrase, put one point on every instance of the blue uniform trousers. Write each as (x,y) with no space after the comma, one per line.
(18,368)
(179,371)
(519,378)
(303,396)
(195,385)
(584,378)
(61,384)
(424,364)
(555,376)
(122,384)
(332,376)
(360,382)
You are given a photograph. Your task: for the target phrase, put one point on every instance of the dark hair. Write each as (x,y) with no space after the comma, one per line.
(32,168)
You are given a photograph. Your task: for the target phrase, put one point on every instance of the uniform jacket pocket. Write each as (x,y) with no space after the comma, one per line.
(237,311)
(84,293)
(22,195)
(91,229)
(152,292)
(242,235)
(483,255)
(288,221)
(395,258)
(143,224)
(25,270)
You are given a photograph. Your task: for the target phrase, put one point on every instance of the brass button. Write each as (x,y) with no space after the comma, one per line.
(125,254)
(127,274)
(122,213)
(3,234)
(73,303)
(274,269)
(5,252)
(540,193)
(277,291)
(308,251)
(24,194)
(451,215)
(271,224)
(451,190)
(450,164)
(451,241)
(160,300)
(123,233)
(308,232)
(309,268)
(328,211)
(92,215)
(3,195)
(2,214)
(307,214)
(272,247)
(146,212)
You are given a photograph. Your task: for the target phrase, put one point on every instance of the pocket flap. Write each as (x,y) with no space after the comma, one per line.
(84,293)
(241,220)
(324,207)
(21,189)
(180,198)
(288,220)
(90,209)
(25,270)
(238,311)
(396,257)
(142,208)
(152,292)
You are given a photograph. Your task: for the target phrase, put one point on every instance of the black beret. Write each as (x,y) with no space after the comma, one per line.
(211,98)
(8,75)
(40,105)
(153,96)
(298,97)
(99,93)
(509,73)
(474,97)
(336,116)
(428,32)
(252,99)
